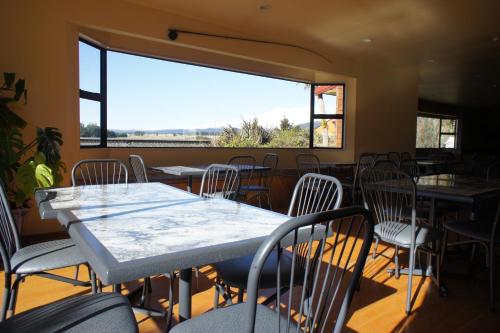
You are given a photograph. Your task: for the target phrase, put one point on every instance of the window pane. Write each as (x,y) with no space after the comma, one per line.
(448,125)
(90,65)
(328,133)
(427,132)
(329,99)
(161,103)
(90,120)
(447,141)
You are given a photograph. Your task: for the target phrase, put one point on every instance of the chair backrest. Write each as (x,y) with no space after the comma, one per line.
(138,168)
(365,160)
(329,280)
(405,156)
(99,172)
(386,164)
(9,237)
(389,195)
(315,193)
(410,167)
(307,163)
(246,165)
(394,156)
(266,177)
(220,181)
(493,171)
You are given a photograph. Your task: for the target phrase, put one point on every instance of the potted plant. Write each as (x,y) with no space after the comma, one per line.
(24,167)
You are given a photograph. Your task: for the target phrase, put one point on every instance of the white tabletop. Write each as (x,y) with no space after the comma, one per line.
(180,170)
(135,230)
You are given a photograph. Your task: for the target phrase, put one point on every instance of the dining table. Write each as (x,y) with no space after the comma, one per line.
(130,231)
(198,170)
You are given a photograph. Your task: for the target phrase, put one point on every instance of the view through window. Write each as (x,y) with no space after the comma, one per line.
(157,103)
(436,132)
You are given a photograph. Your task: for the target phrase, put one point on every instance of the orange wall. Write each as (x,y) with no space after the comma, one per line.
(39,41)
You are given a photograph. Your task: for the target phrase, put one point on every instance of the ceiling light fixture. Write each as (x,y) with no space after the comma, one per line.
(431,61)
(495,39)
(265,6)
(367,40)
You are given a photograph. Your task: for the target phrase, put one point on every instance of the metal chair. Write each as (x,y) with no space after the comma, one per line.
(483,232)
(313,193)
(99,172)
(410,167)
(307,163)
(365,160)
(405,156)
(263,187)
(220,181)
(391,196)
(386,164)
(20,262)
(99,313)
(335,244)
(394,156)
(139,168)
(493,171)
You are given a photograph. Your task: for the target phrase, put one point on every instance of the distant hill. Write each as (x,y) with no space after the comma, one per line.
(178,131)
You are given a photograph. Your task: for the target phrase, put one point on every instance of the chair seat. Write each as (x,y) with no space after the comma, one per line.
(400,233)
(479,230)
(235,272)
(99,313)
(233,319)
(46,256)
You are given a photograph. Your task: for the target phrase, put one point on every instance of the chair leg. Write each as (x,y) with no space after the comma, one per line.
(77,270)
(410,276)
(216,293)
(170,302)
(374,254)
(492,278)
(197,277)
(268,195)
(6,296)
(13,295)
(240,295)
(396,262)
(144,290)
(93,282)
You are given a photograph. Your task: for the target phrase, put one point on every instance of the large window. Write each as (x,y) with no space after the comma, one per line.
(128,100)
(436,132)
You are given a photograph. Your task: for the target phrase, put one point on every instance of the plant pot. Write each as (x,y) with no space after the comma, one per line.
(18,214)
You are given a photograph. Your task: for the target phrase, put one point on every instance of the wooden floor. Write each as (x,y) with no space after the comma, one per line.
(378,307)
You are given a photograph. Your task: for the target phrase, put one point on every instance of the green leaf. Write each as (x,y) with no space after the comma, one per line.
(43,175)
(25,177)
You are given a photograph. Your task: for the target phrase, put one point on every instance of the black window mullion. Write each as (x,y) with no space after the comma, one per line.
(90,95)
(311,119)
(104,99)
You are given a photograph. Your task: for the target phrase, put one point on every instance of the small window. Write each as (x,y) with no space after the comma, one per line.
(436,132)
(328,115)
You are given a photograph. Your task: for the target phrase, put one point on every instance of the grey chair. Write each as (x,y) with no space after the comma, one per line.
(245,165)
(307,163)
(405,156)
(394,156)
(313,193)
(483,232)
(265,180)
(410,167)
(220,181)
(391,197)
(20,262)
(99,313)
(386,164)
(365,160)
(99,172)
(138,168)
(328,282)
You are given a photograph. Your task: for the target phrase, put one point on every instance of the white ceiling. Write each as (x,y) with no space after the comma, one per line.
(450,41)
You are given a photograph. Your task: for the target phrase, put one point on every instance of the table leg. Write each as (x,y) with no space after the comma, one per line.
(185,294)
(190,184)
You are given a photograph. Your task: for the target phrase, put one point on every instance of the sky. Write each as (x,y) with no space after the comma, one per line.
(152,94)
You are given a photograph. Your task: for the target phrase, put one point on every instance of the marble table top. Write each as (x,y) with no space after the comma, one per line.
(129,231)
(199,170)
(457,187)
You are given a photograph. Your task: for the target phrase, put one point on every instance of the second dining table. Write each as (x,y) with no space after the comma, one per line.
(130,231)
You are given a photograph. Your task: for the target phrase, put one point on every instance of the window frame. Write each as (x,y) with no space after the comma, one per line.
(441,133)
(314,116)
(102,97)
